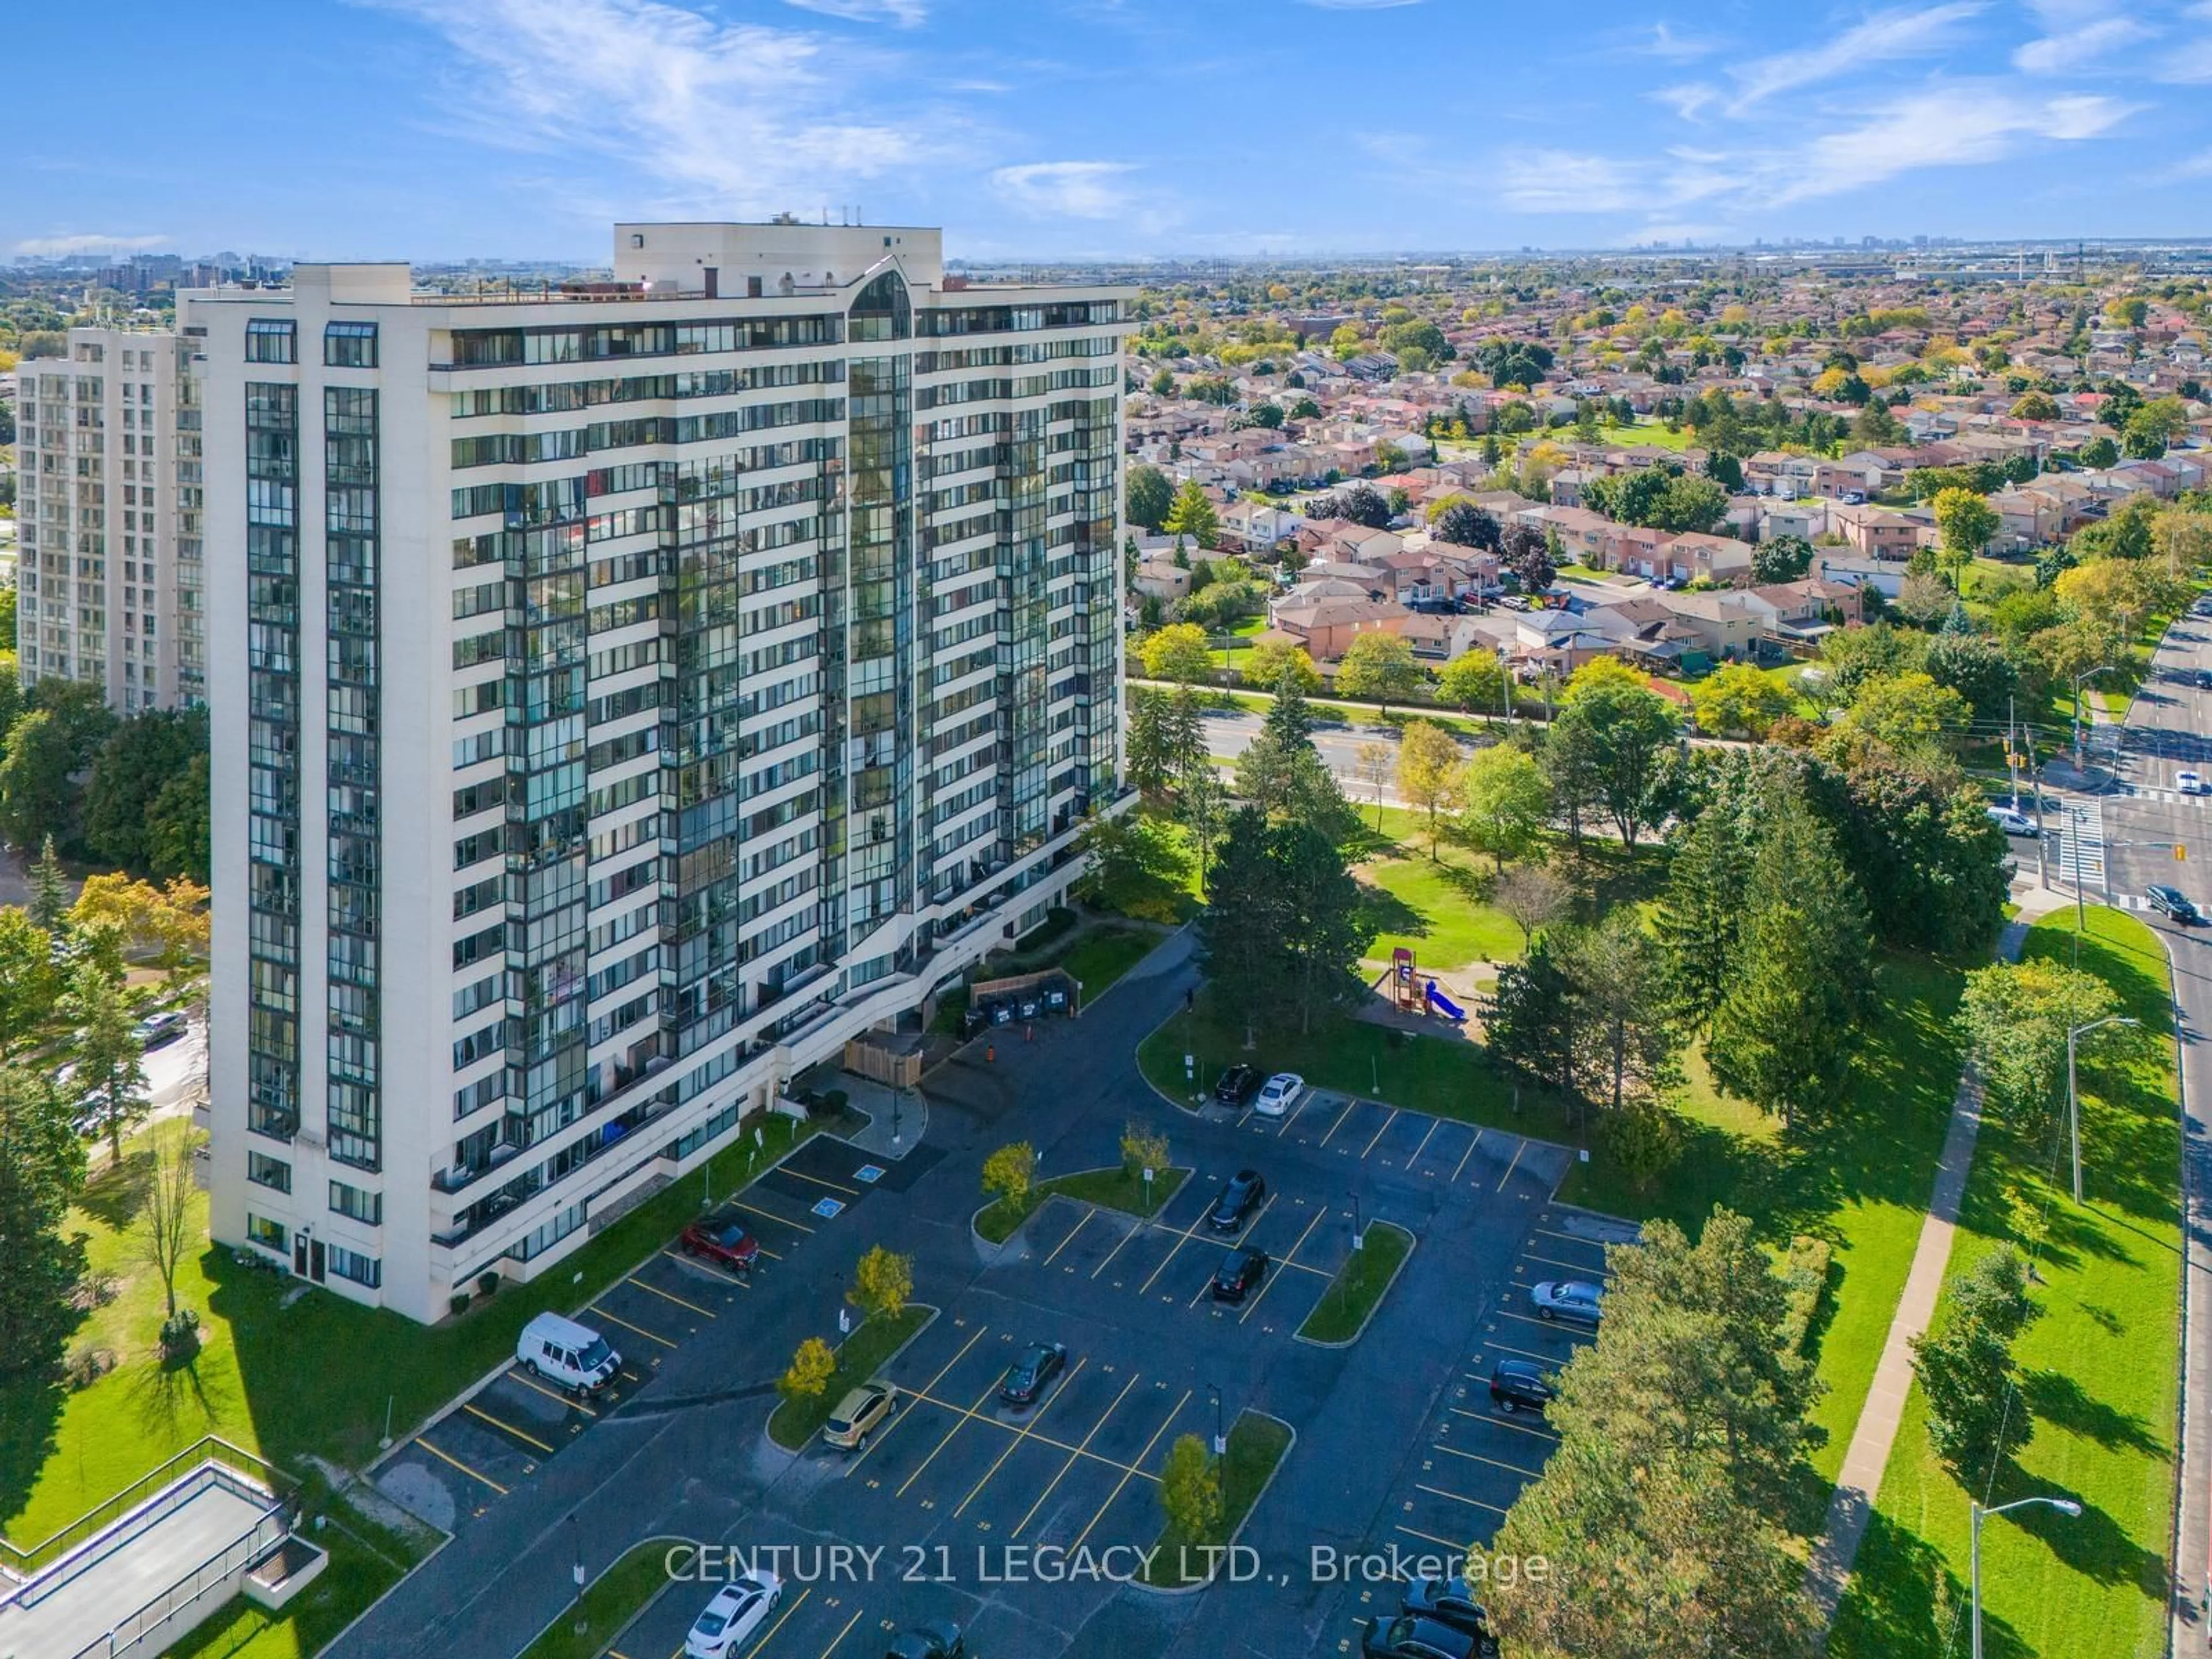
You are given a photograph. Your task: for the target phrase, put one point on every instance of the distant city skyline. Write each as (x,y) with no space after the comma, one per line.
(435,130)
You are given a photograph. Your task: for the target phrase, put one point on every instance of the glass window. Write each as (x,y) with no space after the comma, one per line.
(271,340)
(357,1202)
(266,1171)
(349,345)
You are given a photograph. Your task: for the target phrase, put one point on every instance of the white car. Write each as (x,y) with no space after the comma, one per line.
(2188,783)
(2012,823)
(1279,1094)
(735,1613)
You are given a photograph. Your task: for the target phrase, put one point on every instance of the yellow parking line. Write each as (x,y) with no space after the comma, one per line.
(1434,1123)
(797,1602)
(1457,1498)
(1124,1480)
(967,1414)
(921,1393)
(1430,1537)
(1514,1165)
(1290,1256)
(1467,1154)
(1339,1124)
(1082,1221)
(1027,1427)
(1380,1132)
(1569,1237)
(1572,1266)
(649,1336)
(1474,1457)
(704,1266)
(536,1387)
(1184,1238)
(841,1634)
(530,1439)
(1525,1353)
(770,1215)
(972,1413)
(834,1186)
(473,1474)
(667,1296)
(1565,1326)
(1116,1251)
(1268,1283)
(1312,1095)
(1074,1457)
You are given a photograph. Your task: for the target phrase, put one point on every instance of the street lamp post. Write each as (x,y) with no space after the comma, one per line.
(2064,1505)
(576,1572)
(2073,1094)
(2085,675)
(1220,1438)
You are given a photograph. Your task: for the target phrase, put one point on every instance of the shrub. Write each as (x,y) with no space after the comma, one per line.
(488,1282)
(1644,1139)
(458,1302)
(1142,1148)
(1011,1172)
(1804,1275)
(809,1371)
(882,1282)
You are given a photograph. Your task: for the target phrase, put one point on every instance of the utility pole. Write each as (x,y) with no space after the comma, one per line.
(2074,1094)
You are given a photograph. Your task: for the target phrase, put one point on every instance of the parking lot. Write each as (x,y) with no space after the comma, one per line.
(1474,1459)
(1369,1133)
(455,1470)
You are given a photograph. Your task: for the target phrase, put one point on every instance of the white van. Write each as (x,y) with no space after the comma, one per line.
(561,1351)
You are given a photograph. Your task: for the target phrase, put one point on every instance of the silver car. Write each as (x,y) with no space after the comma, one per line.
(1567,1299)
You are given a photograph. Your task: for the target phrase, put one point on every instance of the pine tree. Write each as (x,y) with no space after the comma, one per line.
(1149,753)
(1783,1033)
(1204,814)
(1699,913)
(1288,719)
(1241,928)
(50,899)
(1326,931)
(1183,735)
(41,1170)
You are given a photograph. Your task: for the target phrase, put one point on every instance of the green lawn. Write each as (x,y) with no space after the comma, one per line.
(1102,955)
(1113,1188)
(799,1418)
(1648,432)
(313,1378)
(2097,1367)
(1436,908)
(609,1602)
(1255,1446)
(1859,1181)
(1351,1296)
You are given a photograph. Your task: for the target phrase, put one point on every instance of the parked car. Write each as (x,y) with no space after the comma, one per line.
(734,1615)
(1233,1205)
(1450,1601)
(1519,1385)
(2170,900)
(1026,1378)
(155,1030)
(561,1351)
(939,1640)
(859,1415)
(1567,1299)
(1281,1094)
(1239,1274)
(1237,1086)
(723,1243)
(2188,783)
(1408,1638)
(2012,823)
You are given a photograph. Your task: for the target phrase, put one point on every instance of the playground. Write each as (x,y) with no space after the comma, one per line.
(1407,998)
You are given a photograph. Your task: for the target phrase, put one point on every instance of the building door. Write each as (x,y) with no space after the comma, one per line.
(315,1261)
(299,1252)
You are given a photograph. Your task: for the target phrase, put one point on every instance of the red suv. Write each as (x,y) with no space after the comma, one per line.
(722,1242)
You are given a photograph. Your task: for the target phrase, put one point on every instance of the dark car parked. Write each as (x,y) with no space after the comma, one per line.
(1518,1385)
(940,1640)
(1408,1638)
(1239,1274)
(1450,1601)
(2170,900)
(1234,1204)
(1026,1378)
(1237,1085)
(722,1242)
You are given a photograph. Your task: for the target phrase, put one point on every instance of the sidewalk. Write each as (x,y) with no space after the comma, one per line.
(1859,1480)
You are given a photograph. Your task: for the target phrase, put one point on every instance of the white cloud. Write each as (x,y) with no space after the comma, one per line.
(1066,190)
(1358,5)
(1884,37)
(67,244)
(1661,42)
(1947,126)
(1688,99)
(2190,63)
(1567,181)
(2198,166)
(907,14)
(2054,54)
(737,117)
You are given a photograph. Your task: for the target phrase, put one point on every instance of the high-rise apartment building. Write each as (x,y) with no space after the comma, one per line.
(622,695)
(109,563)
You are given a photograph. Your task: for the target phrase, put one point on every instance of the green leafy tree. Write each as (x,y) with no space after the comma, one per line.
(808,1374)
(1190,1491)
(1977,667)
(28,983)
(1785,1032)
(883,1283)
(2013,1018)
(1532,1020)
(140,759)
(1908,712)
(111,1061)
(1626,731)
(42,1173)
(1625,1040)
(1967,1370)
(1150,494)
(1142,1148)
(1505,802)
(1781,559)
(1739,699)
(179,831)
(1463,524)
(1380,665)
(1474,683)
(1268,662)
(1193,514)
(38,799)
(1177,653)
(1965,521)
(1009,1173)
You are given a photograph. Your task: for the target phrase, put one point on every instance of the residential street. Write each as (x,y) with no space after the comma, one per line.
(2169,727)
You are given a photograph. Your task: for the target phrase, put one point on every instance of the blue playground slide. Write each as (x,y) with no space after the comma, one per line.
(1445,1005)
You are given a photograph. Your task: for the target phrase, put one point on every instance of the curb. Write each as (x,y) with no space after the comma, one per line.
(666,1585)
(1265,1485)
(792,1454)
(1412,1243)
(983,1244)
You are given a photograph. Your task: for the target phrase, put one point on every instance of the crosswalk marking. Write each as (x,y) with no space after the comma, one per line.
(2080,833)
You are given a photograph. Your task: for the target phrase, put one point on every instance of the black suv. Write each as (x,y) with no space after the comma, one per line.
(1234,1204)
(1517,1385)
(1450,1601)
(1237,1085)
(1239,1272)
(2170,900)
(1408,1638)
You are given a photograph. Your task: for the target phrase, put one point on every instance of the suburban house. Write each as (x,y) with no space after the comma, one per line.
(1161,579)
(1695,558)
(1875,532)
(1327,627)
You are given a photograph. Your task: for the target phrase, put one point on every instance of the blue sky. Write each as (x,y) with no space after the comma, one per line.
(430,129)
